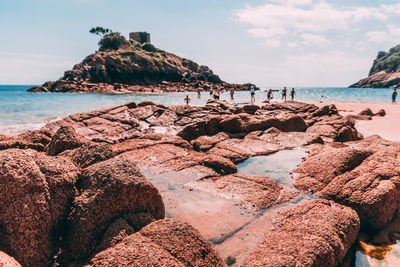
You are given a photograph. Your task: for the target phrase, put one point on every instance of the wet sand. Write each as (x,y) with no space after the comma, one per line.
(388,127)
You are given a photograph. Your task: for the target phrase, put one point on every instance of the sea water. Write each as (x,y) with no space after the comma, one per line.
(21,111)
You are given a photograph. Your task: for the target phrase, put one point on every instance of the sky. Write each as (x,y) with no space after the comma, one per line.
(273,43)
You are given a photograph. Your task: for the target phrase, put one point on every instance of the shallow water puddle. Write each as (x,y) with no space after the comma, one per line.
(277,166)
(233,230)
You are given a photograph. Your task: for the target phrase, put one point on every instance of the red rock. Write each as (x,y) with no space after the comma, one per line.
(219,164)
(168,242)
(346,134)
(115,233)
(107,190)
(364,177)
(35,192)
(65,139)
(7,261)
(372,189)
(318,233)
(204,143)
(134,250)
(366,112)
(89,154)
(381,113)
(183,242)
(311,176)
(252,192)
(36,140)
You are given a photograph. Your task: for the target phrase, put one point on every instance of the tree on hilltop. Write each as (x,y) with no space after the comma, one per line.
(100,31)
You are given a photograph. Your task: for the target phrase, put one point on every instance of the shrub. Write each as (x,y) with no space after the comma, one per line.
(112,41)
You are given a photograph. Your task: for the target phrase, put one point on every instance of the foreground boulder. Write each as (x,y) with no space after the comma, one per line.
(318,233)
(35,192)
(364,177)
(108,190)
(168,242)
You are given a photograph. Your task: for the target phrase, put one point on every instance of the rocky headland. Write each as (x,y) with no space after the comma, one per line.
(142,183)
(385,72)
(137,68)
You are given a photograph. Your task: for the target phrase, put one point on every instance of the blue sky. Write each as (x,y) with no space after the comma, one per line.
(271,43)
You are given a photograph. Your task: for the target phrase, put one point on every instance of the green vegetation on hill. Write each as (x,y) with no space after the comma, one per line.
(387,61)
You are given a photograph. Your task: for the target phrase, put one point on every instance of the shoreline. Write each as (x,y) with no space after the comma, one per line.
(388,127)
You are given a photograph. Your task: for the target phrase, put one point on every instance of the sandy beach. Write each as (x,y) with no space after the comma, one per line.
(387,127)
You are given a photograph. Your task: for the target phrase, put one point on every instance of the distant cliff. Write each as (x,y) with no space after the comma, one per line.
(135,67)
(385,72)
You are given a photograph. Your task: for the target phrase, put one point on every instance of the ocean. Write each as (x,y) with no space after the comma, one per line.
(22,111)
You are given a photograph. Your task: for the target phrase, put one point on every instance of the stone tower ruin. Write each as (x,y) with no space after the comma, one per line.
(141,37)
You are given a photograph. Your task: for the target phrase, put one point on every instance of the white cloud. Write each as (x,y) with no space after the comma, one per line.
(391,33)
(318,17)
(293,2)
(306,18)
(377,36)
(313,39)
(271,43)
(267,32)
(393,30)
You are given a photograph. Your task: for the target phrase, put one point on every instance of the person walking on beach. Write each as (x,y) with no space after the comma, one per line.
(269,95)
(394,95)
(187,100)
(284,91)
(232,91)
(292,93)
(252,94)
(198,93)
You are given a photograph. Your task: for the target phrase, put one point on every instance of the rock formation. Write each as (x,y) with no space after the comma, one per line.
(385,72)
(94,188)
(136,68)
(293,243)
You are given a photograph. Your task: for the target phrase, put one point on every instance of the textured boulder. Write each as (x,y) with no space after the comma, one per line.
(107,190)
(318,233)
(372,188)
(65,139)
(183,242)
(219,164)
(35,192)
(311,177)
(89,154)
(7,261)
(364,177)
(134,250)
(168,242)
(36,140)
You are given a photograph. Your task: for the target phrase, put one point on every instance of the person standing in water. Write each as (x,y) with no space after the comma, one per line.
(269,95)
(187,100)
(284,91)
(252,94)
(232,91)
(292,93)
(394,95)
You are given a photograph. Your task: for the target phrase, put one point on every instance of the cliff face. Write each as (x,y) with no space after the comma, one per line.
(385,72)
(135,67)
